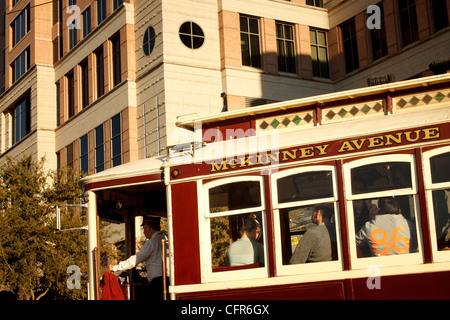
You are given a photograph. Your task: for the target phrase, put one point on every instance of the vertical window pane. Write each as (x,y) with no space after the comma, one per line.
(350,45)
(250,49)
(99,149)
(285,48)
(116,141)
(86,22)
(440,14)
(408,20)
(441,206)
(319,53)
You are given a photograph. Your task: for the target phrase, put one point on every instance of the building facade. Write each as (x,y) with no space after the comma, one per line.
(99,83)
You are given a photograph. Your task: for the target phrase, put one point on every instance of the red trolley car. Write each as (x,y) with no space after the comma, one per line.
(347,151)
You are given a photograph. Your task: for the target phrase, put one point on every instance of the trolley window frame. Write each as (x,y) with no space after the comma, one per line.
(312,267)
(207,274)
(392,260)
(443,255)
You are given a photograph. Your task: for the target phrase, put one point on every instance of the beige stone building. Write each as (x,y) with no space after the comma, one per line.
(98,83)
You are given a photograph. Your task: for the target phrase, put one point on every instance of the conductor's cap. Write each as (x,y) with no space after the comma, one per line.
(150,221)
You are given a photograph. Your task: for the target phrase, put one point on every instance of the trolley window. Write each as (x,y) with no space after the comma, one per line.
(383,207)
(306,220)
(437,173)
(235,227)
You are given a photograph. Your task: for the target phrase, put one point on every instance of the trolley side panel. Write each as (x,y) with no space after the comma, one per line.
(185,233)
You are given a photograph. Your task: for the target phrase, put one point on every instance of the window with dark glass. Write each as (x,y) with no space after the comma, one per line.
(21,64)
(100,72)
(117,4)
(379,43)
(191,35)
(86,21)
(73,34)
(350,45)
(384,209)
(440,185)
(250,47)
(116,141)
(315,3)
(319,53)
(70,94)
(117,66)
(440,14)
(101,11)
(21,119)
(69,155)
(149,40)
(84,84)
(408,21)
(84,154)
(21,25)
(285,48)
(99,149)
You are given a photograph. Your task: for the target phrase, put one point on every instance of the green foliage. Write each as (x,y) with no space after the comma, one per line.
(34,257)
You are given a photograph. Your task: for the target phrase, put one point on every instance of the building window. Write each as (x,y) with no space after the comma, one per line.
(149,40)
(250,48)
(86,21)
(101,11)
(350,45)
(408,21)
(69,155)
(440,14)
(21,25)
(235,222)
(117,3)
(84,84)
(117,68)
(191,35)
(384,206)
(306,207)
(70,94)
(99,149)
(58,104)
(84,154)
(285,48)
(100,72)
(379,43)
(437,184)
(319,53)
(72,36)
(21,119)
(72,2)
(21,64)
(315,3)
(116,141)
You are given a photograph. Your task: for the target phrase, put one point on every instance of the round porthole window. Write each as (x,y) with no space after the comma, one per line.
(149,40)
(191,35)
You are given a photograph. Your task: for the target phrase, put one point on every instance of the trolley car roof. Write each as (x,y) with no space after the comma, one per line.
(151,169)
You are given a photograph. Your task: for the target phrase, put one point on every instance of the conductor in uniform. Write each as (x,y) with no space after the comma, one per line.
(151,254)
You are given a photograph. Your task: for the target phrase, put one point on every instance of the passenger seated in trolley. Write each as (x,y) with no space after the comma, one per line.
(246,250)
(319,242)
(388,232)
